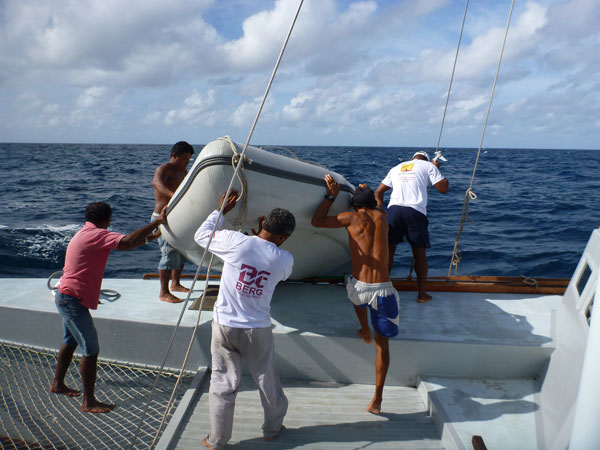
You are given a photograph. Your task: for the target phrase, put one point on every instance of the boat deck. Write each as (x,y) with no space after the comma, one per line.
(449,348)
(321,415)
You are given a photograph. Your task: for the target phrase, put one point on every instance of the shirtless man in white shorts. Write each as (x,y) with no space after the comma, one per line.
(370,285)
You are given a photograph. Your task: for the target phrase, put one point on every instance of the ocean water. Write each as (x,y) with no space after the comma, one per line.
(534,212)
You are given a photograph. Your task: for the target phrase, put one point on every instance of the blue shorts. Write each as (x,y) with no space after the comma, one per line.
(170,258)
(387,308)
(407,222)
(383,302)
(78,326)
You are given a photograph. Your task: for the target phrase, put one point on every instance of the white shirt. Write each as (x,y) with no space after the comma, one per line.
(253,267)
(409,182)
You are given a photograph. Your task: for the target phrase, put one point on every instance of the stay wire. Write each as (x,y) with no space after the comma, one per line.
(206,250)
(437,147)
(469,194)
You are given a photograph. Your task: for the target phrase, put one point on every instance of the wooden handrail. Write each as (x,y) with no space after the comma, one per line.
(478,443)
(461,283)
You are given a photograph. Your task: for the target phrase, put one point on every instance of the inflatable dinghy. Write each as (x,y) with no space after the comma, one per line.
(265,181)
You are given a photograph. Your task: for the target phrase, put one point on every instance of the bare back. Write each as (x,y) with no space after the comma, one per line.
(167,179)
(368,239)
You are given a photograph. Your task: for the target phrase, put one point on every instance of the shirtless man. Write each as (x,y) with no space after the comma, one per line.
(167,178)
(370,284)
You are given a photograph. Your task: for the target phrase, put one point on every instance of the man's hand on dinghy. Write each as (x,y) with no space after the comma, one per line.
(230,202)
(144,234)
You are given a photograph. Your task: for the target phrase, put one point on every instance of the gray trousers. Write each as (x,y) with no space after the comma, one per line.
(229,346)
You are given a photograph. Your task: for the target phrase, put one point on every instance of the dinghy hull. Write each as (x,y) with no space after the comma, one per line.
(266,181)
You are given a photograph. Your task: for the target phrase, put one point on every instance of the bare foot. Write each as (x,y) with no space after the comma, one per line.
(424,298)
(64,390)
(97,407)
(206,444)
(271,438)
(169,298)
(365,334)
(179,288)
(374,407)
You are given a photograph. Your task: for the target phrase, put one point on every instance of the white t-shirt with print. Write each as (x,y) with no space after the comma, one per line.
(409,182)
(253,267)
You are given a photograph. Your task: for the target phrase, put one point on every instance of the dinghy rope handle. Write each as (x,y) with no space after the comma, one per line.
(110,294)
(469,194)
(243,194)
(206,250)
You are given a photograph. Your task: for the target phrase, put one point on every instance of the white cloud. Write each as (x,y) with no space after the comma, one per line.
(194,107)
(245,114)
(93,97)
(300,106)
(99,39)
(354,71)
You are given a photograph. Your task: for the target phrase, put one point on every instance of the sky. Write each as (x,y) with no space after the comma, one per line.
(355,73)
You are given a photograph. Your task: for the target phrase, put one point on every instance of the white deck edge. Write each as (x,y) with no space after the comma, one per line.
(177,421)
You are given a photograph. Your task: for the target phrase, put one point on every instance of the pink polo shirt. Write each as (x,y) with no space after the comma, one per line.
(85,261)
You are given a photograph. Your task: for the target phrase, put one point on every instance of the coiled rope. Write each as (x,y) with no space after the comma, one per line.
(108,294)
(235,174)
(469,194)
(236,159)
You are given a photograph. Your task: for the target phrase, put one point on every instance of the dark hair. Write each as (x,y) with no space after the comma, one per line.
(280,221)
(98,212)
(363,197)
(182,147)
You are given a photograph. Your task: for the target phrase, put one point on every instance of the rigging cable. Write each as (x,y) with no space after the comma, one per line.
(437,147)
(469,194)
(235,174)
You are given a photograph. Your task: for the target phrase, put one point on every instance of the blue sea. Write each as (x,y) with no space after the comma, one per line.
(534,212)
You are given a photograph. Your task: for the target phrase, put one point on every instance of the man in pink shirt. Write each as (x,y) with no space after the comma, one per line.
(79,291)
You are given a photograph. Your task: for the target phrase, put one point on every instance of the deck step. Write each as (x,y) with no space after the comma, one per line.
(501,411)
(322,416)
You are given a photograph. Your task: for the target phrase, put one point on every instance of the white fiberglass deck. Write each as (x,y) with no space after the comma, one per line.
(321,416)
(457,336)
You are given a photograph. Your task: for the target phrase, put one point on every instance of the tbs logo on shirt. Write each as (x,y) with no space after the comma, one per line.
(251,281)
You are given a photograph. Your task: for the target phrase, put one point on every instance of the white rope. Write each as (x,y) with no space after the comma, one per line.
(469,194)
(108,294)
(235,174)
(241,176)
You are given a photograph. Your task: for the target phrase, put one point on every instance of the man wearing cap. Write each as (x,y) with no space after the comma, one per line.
(407,210)
(370,286)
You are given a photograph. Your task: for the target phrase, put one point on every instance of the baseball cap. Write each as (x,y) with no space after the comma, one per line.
(422,153)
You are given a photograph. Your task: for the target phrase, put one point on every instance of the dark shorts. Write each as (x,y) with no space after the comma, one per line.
(78,326)
(407,222)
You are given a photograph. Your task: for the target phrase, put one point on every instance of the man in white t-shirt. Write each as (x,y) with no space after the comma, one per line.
(241,328)
(407,210)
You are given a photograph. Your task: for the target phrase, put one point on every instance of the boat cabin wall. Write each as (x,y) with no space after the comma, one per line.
(561,382)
